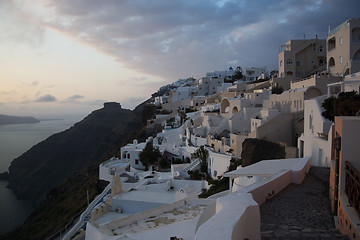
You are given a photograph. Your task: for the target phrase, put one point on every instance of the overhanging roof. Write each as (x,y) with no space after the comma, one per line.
(268,167)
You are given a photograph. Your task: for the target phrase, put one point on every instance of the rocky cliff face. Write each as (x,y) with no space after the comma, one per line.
(61,155)
(255,150)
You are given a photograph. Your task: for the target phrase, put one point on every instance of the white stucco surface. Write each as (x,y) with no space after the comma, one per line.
(268,167)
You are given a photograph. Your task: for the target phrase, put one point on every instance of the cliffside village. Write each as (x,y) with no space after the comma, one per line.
(214,115)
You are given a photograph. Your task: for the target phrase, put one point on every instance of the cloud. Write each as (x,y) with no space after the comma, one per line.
(34,84)
(18,24)
(177,39)
(74,98)
(46,98)
(6,93)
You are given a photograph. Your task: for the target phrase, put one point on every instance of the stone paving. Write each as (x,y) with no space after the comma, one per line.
(301,211)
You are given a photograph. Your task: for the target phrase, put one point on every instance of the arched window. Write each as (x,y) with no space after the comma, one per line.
(331,62)
(355,34)
(224,106)
(289,73)
(235,110)
(356,56)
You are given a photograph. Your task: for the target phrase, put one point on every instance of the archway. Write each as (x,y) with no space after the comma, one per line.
(224,106)
(356,56)
(331,62)
(235,110)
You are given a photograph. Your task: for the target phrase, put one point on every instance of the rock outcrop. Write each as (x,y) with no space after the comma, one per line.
(255,150)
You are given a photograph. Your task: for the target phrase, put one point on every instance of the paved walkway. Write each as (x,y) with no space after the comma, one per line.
(301,211)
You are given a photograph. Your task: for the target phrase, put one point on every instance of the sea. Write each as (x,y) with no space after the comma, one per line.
(15,140)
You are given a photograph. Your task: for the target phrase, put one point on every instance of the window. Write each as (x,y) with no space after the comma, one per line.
(128,155)
(280,63)
(341,41)
(289,61)
(294,104)
(341,59)
(136,161)
(298,63)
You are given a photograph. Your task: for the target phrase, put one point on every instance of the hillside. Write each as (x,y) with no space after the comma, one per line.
(6,119)
(61,155)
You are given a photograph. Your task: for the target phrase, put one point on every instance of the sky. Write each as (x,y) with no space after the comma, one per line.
(71,56)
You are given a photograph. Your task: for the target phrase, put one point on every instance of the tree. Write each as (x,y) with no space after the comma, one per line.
(202,153)
(238,75)
(346,104)
(277,90)
(149,155)
(182,116)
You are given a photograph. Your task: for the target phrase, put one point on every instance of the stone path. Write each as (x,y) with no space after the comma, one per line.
(301,211)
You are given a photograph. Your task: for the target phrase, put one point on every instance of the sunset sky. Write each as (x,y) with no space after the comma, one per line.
(70,56)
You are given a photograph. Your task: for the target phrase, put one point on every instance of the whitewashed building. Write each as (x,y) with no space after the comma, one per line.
(316,139)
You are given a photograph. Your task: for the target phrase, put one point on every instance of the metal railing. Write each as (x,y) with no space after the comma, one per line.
(352,185)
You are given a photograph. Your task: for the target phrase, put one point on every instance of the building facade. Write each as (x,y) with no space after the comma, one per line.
(301,58)
(343,48)
(345,174)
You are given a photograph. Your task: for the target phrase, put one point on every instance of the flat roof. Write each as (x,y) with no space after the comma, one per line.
(180,222)
(147,196)
(267,167)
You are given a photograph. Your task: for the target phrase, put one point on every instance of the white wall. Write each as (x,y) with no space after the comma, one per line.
(218,163)
(132,206)
(314,123)
(237,217)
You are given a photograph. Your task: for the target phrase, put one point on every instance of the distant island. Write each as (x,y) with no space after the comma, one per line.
(6,119)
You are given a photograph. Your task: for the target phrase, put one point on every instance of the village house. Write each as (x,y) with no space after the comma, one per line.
(344,175)
(316,140)
(343,48)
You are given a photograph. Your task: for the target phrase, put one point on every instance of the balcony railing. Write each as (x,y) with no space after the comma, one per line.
(352,185)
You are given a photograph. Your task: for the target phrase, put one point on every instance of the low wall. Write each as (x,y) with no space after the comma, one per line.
(237,217)
(347,221)
(132,206)
(261,191)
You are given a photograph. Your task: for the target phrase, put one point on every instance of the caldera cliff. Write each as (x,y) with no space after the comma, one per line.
(63,154)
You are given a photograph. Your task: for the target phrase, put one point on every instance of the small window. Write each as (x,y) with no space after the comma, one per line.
(128,155)
(341,41)
(281,63)
(289,61)
(341,59)
(136,161)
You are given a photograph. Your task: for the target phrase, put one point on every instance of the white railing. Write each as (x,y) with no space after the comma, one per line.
(78,225)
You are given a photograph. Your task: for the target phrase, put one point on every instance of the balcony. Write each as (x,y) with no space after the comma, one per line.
(352,185)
